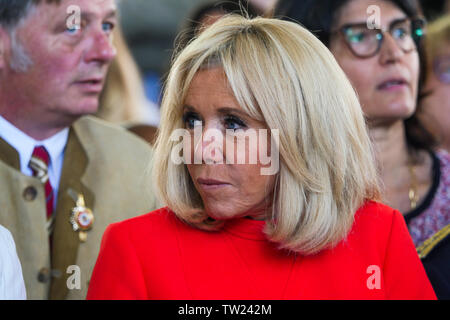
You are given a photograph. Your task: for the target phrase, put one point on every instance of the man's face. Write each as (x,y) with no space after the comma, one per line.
(68,66)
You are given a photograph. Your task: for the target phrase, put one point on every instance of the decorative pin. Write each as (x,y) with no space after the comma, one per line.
(82,217)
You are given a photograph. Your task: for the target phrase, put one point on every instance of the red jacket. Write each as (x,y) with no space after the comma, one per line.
(156,256)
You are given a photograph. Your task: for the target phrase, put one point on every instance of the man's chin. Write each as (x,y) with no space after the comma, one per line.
(86,106)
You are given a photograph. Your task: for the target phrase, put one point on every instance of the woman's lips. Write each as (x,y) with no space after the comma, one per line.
(211,184)
(393,85)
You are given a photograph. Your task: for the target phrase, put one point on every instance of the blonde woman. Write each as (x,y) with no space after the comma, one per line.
(306,227)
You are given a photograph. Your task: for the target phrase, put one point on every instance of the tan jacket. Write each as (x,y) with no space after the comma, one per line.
(104,163)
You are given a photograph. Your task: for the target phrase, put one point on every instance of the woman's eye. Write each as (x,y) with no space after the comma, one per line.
(234,123)
(399,33)
(191,120)
(355,36)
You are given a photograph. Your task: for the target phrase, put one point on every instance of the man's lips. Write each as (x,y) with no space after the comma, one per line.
(91,84)
(93,80)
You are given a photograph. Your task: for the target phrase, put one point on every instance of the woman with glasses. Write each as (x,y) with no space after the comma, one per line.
(378,45)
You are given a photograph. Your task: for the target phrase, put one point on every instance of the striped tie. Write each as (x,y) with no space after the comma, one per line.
(39,165)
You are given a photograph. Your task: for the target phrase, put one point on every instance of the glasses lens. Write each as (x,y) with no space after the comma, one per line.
(418,27)
(402,34)
(362,41)
(442,69)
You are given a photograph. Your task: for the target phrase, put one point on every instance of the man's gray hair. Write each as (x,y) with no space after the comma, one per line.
(20,60)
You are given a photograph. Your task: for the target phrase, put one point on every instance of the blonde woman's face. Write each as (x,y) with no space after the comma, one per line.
(387,82)
(228,187)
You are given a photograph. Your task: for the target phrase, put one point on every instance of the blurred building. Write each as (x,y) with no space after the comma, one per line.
(150,28)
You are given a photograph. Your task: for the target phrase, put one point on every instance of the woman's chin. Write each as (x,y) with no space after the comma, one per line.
(389,115)
(220,216)
(221,213)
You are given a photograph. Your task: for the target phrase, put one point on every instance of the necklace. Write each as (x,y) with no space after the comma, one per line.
(413,193)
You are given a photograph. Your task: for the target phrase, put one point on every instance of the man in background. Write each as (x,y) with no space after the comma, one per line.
(64,176)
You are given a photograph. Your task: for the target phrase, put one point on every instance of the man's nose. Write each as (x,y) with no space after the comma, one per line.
(101,48)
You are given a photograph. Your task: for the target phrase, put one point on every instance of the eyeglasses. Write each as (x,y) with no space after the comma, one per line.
(441,68)
(366,43)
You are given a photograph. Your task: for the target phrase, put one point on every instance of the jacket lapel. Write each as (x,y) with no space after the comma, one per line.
(65,240)
(9,155)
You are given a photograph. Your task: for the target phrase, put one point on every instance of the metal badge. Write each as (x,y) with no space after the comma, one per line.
(82,217)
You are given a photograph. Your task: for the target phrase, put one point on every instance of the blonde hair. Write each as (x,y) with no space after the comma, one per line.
(281,74)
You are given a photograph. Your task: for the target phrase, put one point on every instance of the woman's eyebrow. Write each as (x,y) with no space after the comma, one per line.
(397,21)
(188,107)
(355,23)
(363,23)
(111,14)
(225,110)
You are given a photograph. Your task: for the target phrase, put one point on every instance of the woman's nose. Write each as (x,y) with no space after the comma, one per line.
(390,51)
(210,146)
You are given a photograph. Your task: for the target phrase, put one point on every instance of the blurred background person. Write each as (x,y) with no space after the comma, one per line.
(123,99)
(302,220)
(435,114)
(435,100)
(384,65)
(209,12)
(151,27)
(266,6)
(12,286)
(434,9)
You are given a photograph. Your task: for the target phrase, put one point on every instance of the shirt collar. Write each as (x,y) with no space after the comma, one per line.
(25,144)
